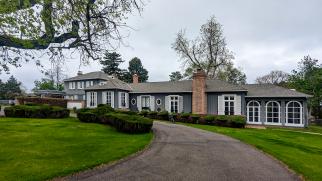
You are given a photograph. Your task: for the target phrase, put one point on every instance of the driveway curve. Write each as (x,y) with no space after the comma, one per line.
(182,153)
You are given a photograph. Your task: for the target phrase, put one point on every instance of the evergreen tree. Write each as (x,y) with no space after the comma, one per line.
(136,67)
(111,62)
(175,76)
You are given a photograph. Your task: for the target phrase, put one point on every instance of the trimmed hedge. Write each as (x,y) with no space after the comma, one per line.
(36,111)
(128,123)
(41,101)
(122,120)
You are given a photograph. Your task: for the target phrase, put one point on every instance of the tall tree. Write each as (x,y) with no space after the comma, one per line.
(276,77)
(136,67)
(47,84)
(232,75)
(208,52)
(308,79)
(89,26)
(11,89)
(175,76)
(111,63)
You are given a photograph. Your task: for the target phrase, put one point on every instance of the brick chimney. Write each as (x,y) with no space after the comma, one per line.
(135,79)
(199,99)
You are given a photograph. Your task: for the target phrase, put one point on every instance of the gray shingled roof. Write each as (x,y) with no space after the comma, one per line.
(111,83)
(183,86)
(88,76)
(269,90)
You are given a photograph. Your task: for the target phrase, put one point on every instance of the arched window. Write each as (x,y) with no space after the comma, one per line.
(294,112)
(253,112)
(273,112)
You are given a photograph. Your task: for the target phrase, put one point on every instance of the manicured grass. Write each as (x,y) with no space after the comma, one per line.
(302,152)
(38,149)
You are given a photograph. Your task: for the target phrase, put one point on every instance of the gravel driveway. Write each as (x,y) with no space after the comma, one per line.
(183,153)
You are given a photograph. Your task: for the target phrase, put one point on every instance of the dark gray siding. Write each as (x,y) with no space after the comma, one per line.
(282,102)
(187,101)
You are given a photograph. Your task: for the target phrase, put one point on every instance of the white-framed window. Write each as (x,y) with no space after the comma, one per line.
(294,113)
(109,98)
(145,102)
(158,102)
(174,104)
(253,112)
(89,83)
(123,99)
(84,97)
(133,101)
(229,103)
(273,112)
(76,97)
(80,85)
(92,99)
(72,85)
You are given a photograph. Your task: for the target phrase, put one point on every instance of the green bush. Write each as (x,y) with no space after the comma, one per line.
(125,112)
(194,118)
(143,113)
(88,117)
(152,115)
(128,123)
(237,121)
(164,115)
(209,119)
(36,111)
(102,109)
(184,117)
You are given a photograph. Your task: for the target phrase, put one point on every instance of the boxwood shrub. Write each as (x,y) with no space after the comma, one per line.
(163,115)
(36,111)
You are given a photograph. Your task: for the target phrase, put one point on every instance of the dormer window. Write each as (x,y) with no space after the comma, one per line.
(103,83)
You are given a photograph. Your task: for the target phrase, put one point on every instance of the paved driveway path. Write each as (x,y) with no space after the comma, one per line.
(183,153)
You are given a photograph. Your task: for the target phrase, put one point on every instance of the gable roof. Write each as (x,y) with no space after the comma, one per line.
(90,75)
(269,90)
(183,86)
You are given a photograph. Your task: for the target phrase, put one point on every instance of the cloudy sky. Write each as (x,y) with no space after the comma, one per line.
(265,35)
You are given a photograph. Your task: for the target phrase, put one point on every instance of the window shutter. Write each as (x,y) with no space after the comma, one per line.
(152,103)
(221,105)
(88,96)
(237,105)
(166,103)
(139,103)
(112,99)
(104,96)
(180,109)
(127,100)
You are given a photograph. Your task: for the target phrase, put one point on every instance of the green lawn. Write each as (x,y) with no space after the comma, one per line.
(38,149)
(302,152)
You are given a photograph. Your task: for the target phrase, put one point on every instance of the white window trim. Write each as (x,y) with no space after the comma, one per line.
(279,114)
(177,100)
(301,115)
(126,95)
(229,95)
(157,102)
(149,100)
(259,111)
(133,99)
(90,99)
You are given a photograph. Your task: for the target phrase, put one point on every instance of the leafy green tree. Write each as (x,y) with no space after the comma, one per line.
(46,84)
(232,75)
(111,63)
(175,76)
(136,67)
(10,89)
(48,26)
(308,79)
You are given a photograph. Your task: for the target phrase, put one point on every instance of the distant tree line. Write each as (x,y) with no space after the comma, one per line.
(10,89)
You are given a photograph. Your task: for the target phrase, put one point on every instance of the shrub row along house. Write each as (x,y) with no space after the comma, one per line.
(261,103)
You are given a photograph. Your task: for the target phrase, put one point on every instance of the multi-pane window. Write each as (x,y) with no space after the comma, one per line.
(89,83)
(229,102)
(145,102)
(253,109)
(294,113)
(93,99)
(174,104)
(109,98)
(123,99)
(273,112)
(80,85)
(72,85)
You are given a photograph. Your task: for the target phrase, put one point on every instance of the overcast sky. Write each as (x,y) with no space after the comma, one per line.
(264,35)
